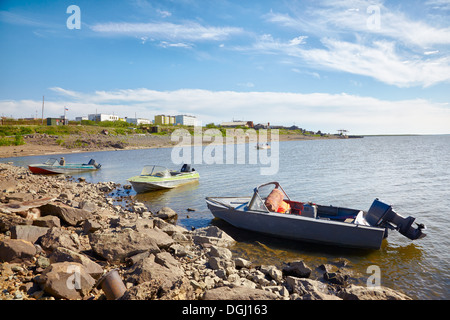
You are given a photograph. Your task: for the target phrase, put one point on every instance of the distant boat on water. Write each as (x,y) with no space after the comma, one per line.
(263,146)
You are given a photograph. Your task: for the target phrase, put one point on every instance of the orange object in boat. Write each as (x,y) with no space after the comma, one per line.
(284,207)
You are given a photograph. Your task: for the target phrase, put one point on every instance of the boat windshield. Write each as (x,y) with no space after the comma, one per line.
(155,171)
(51,162)
(257,204)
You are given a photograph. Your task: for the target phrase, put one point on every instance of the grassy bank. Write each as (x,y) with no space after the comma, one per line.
(124,128)
(32,139)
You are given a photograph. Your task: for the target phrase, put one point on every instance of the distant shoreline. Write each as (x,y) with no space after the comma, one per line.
(38,144)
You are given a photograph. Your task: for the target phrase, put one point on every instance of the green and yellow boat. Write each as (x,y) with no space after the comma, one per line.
(155,177)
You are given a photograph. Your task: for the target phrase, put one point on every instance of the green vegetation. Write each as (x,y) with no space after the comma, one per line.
(9,141)
(13,134)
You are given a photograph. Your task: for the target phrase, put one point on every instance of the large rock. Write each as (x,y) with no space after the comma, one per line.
(166,213)
(219,252)
(58,237)
(159,269)
(66,255)
(16,250)
(47,222)
(309,289)
(167,227)
(70,215)
(273,272)
(217,263)
(212,236)
(27,232)
(238,293)
(115,246)
(242,263)
(354,292)
(67,280)
(297,269)
(336,278)
(158,277)
(9,220)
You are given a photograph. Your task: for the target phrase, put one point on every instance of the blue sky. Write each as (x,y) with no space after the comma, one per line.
(371,67)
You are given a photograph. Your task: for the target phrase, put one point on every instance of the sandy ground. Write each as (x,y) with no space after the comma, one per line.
(48,145)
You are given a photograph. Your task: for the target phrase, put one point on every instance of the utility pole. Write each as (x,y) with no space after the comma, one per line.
(42,110)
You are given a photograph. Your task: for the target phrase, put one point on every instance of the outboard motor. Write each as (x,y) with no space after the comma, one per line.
(382,215)
(95,164)
(185,168)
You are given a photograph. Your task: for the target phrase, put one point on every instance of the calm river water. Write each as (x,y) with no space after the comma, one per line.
(410,172)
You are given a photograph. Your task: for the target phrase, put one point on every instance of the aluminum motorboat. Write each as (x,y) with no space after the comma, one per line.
(277,215)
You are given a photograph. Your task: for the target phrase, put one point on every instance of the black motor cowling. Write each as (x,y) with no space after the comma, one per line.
(94,163)
(186,168)
(382,215)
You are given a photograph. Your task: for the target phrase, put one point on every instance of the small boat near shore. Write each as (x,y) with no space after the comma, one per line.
(55,166)
(154,177)
(276,215)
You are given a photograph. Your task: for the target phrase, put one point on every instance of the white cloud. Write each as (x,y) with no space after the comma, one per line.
(164,13)
(165,44)
(439,4)
(381,61)
(314,111)
(65,92)
(396,52)
(190,31)
(337,17)
(298,40)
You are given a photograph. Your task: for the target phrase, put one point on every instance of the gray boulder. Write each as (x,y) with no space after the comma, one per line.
(238,293)
(309,289)
(212,236)
(27,232)
(354,292)
(166,213)
(297,269)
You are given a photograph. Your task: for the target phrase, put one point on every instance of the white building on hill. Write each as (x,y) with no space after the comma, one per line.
(102,117)
(138,121)
(185,120)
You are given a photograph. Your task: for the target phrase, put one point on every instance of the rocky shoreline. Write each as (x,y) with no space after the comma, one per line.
(65,239)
